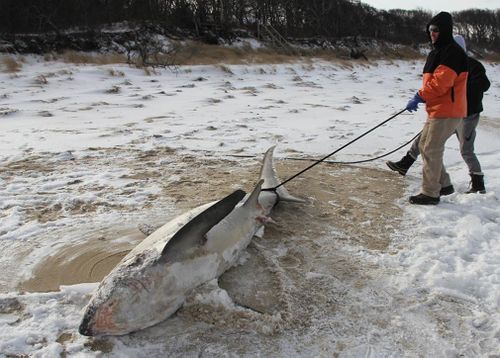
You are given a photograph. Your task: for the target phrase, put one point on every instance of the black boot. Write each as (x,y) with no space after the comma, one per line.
(477,184)
(403,165)
(447,190)
(422,199)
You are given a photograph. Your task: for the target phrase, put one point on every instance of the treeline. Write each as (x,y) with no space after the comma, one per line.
(292,18)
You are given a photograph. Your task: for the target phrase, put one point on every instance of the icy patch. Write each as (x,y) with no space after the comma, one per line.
(42,320)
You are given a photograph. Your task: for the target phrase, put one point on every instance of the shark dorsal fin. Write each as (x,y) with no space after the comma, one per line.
(191,234)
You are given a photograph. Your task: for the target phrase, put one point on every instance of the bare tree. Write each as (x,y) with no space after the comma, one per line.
(219,18)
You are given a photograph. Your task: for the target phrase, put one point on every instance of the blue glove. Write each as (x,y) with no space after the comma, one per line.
(412,105)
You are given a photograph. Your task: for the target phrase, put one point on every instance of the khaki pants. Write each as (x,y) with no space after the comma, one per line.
(466,133)
(434,136)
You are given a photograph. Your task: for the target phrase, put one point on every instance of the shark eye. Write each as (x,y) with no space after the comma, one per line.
(138,260)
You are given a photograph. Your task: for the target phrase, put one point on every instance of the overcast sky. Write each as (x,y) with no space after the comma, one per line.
(433,5)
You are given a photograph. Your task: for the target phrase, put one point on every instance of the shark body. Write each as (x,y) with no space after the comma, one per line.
(152,281)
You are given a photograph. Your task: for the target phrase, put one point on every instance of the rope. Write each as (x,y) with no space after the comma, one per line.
(360,161)
(335,151)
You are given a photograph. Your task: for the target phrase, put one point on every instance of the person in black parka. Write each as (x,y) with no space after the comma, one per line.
(477,84)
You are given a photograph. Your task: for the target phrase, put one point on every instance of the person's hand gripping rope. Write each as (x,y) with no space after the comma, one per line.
(413,103)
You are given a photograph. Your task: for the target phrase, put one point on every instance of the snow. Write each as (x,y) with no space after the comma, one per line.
(246,42)
(444,260)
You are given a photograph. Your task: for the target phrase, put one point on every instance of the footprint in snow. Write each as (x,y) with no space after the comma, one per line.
(114,90)
(356,100)
(309,84)
(7,111)
(272,86)
(45,114)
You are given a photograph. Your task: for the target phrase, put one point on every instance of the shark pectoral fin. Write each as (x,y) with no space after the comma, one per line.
(193,233)
(254,284)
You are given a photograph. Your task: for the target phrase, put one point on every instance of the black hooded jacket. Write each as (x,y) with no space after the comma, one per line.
(445,73)
(477,84)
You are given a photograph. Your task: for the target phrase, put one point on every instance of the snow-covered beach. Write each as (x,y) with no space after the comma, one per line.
(87,152)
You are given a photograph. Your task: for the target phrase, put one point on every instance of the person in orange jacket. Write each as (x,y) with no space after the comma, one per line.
(477,84)
(444,93)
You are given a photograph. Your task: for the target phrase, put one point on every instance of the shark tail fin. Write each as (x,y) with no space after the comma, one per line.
(271,180)
(284,195)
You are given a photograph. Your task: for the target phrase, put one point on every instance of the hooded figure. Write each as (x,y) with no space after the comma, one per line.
(459,39)
(444,91)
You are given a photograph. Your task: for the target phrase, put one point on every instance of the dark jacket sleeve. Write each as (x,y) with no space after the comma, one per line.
(478,78)
(477,84)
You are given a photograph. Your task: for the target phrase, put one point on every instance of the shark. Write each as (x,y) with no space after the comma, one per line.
(153,280)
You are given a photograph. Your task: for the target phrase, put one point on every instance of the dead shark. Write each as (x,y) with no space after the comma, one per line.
(152,281)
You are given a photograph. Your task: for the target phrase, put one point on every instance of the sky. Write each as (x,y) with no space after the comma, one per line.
(434,6)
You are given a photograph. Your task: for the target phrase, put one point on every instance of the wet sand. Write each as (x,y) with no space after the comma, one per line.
(357,203)
(73,264)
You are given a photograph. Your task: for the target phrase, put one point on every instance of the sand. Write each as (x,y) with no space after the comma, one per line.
(357,203)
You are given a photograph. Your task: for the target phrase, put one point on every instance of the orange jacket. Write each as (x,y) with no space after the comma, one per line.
(444,87)
(445,93)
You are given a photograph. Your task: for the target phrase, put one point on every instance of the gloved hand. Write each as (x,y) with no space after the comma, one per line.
(412,105)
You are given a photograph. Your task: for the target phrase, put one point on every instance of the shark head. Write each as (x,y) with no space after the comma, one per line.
(98,319)
(116,307)
(100,316)
(105,313)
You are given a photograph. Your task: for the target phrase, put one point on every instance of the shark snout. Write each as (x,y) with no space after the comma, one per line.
(99,320)
(85,328)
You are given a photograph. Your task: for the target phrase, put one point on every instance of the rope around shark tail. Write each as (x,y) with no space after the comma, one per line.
(335,151)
